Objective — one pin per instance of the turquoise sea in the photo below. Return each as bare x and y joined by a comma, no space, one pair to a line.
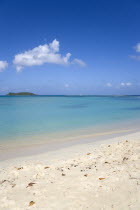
28,116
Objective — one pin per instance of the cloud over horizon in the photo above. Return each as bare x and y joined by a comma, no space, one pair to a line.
120,85
127,84
137,49
3,65
47,53
136,57
109,84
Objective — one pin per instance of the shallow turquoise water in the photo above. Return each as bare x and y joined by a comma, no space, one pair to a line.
24,116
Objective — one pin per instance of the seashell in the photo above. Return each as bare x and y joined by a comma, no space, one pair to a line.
31,203
30,184
101,178
46,167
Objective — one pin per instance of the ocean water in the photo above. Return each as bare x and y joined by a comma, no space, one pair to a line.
27,116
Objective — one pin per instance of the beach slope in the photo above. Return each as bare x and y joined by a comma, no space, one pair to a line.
106,176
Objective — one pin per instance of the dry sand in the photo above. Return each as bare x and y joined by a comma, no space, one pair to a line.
105,175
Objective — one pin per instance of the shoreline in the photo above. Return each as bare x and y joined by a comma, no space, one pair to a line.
39,148
40,144
92,175
70,147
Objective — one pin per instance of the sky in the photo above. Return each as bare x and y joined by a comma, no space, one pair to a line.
56,47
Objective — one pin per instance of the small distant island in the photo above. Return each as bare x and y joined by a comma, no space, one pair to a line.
21,94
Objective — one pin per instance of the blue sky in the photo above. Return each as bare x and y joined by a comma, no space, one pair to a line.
70,47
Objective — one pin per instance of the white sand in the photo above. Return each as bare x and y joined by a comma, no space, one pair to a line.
105,175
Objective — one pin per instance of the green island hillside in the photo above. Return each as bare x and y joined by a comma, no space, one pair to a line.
21,94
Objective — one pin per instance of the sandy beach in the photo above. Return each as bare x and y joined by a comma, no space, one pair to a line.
69,105
101,175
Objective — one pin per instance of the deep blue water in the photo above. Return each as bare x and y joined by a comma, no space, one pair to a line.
23,116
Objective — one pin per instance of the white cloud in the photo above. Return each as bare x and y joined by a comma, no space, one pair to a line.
4,89
3,65
136,57
127,84
67,85
79,62
48,53
122,84
109,84
137,47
